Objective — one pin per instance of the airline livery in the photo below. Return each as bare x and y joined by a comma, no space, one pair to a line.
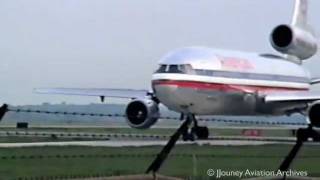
198,81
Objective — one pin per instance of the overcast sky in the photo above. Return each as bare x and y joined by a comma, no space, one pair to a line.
117,43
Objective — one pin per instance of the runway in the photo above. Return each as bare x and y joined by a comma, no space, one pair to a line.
104,136
173,126
139,143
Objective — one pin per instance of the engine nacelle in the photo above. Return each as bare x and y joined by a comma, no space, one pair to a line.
293,41
314,114
142,114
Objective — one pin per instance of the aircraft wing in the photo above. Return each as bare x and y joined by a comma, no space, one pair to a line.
293,97
117,93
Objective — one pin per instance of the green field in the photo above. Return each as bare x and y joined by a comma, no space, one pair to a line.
53,134
185,161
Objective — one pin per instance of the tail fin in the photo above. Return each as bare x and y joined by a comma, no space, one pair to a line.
300,19
300,15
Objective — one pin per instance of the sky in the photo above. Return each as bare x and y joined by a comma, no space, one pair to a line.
117,43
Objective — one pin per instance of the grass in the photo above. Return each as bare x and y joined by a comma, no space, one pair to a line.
54,138
85,161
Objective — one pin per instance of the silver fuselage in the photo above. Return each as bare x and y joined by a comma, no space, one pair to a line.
206,81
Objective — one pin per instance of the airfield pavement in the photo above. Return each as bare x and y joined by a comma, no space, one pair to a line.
138,143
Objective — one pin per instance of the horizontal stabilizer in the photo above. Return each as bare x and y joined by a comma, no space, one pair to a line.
315,81
293,97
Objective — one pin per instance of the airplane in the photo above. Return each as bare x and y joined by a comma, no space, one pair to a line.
197,81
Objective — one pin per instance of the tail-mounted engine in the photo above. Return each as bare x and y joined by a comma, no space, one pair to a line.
142,114
293,41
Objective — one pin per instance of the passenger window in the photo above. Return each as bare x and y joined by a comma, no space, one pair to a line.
200,72
209,73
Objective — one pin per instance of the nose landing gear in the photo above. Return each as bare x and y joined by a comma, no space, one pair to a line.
196,132
202,132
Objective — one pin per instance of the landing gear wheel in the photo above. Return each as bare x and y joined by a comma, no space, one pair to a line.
187,136
201,132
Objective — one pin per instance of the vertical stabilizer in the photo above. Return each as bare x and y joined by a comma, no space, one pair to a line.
300,15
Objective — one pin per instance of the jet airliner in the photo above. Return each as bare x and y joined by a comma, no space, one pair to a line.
197,81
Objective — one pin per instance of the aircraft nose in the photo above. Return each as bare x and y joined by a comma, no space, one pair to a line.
167,94
162,89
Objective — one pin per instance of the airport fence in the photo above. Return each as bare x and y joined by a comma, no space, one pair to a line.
82,135
178,155
216,120
108,136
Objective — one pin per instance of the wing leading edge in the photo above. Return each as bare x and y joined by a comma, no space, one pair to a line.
116,93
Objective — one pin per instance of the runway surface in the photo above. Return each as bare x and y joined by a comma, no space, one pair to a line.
131,136
174,126
139,143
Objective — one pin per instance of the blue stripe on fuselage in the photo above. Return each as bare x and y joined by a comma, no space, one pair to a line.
252,76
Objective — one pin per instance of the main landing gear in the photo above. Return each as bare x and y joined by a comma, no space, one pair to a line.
187,134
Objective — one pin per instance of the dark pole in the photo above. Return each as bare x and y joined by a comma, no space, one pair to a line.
161,157
3,110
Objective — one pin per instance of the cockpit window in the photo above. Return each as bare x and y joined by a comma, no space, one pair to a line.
175,68
162,69
182,68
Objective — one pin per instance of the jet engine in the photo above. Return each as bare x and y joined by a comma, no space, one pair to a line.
142,114
293,41
314,114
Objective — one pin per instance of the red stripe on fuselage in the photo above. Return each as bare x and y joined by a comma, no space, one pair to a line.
224,87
